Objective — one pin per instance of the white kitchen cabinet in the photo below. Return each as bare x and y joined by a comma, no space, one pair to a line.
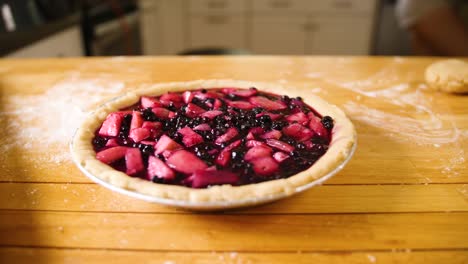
227,31
317,35
339,36
341,6
216,24
278,35
281,7
162,25
216,6
343,27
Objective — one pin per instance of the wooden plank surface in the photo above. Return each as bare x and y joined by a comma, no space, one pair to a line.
40,255
403,198
205,232
322,199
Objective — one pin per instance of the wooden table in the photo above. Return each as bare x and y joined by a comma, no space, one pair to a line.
403,198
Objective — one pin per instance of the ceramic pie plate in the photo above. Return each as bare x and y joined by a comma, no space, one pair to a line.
341,149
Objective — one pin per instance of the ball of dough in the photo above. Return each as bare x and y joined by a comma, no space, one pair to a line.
449,76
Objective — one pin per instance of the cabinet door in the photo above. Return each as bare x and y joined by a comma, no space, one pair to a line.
278,35
340,36
343,6
216,6
219,31
280,6
161,25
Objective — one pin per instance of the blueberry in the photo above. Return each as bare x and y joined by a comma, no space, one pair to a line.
180,122
148,115
177,137
294,153
124,141
257,110
156,179
146,149
290,141
223,107
300,146
207,147
243,126
327,122
234,155
265,121
247,170
209,136
319,140
317,148
125,126
199,103
235,166
278,125
171,106
195,122
122,135
99,142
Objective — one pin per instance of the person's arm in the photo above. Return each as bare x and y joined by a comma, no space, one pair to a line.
440,31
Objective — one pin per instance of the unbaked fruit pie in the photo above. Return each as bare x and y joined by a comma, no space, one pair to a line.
213,144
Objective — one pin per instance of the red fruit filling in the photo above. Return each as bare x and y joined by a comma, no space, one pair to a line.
202,138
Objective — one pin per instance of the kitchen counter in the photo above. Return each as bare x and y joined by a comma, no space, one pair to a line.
403,198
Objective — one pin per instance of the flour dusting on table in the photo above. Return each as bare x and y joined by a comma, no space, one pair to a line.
416,120
371,258
40,122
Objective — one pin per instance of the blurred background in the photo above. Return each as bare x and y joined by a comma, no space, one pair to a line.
70,28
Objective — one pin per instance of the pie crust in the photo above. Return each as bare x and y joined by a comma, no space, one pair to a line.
340,148
450,76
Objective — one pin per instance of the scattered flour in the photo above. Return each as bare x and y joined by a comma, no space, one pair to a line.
371,258
38,122
316,90
431,130
313,75
463,190
416,120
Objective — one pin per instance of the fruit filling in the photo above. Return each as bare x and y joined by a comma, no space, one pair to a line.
203,137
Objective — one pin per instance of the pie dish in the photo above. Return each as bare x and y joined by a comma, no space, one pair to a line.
213,144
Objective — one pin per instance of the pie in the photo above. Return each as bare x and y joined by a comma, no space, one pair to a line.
214,141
